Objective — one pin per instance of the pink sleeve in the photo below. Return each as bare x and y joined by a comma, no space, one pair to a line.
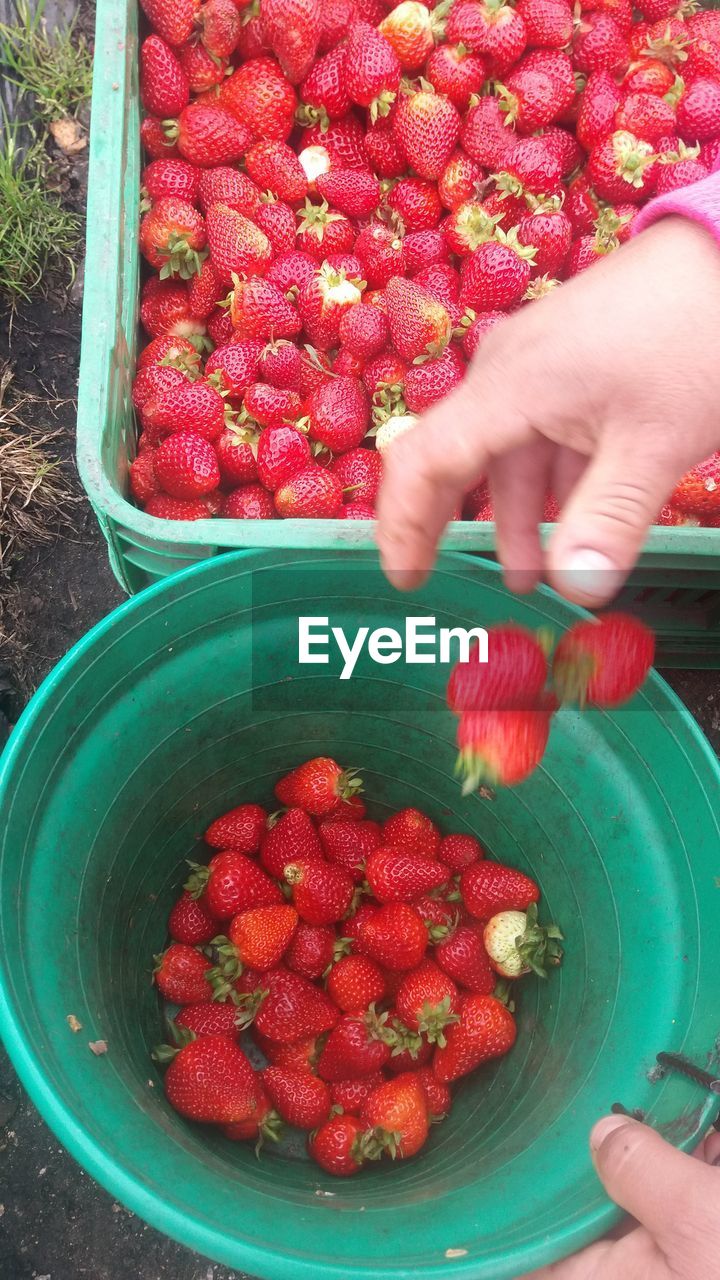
701,201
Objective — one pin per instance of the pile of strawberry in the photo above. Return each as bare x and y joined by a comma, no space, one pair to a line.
364,958
342,199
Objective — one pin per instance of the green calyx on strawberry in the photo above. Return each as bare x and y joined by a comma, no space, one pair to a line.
540,288
196,883
180,1036
227,969
433,1020
518,944
378,1142
632,157
388,402
317,217
180,259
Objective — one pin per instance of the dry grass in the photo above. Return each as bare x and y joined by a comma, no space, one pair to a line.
36,499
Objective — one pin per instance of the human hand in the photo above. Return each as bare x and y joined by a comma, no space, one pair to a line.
620,368
674,1198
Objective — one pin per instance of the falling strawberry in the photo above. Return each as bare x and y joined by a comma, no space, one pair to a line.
603,662
500,748
513,676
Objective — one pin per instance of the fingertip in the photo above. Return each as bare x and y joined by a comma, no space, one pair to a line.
584,575
605,1128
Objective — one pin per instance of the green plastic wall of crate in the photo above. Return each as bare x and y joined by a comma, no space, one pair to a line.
676,586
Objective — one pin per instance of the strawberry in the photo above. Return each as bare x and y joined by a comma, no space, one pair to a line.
539,90
291,838
165,308
281,452
274,166
144,483
261,1124
513,676
397,1116
237,245
645,116
565,146
549,23
171,236
649,75
164,88
363,329
249,502
190,923
260,310
204,291
439,1097
174,20
316,786
427,383
372,69
410,29
359,1045
186,465
427,126
211,1081
280,365
414,832
395,936
681,173
181,975
219,327
517,944
171,178
354,192
494,29
600,45
354,983
411,1052
356,511
342,143
438,915
237,464
427,1001
359,472
154,140
323,302
230,187
337,1146
292,29
323,92
293,1009
487,888
234,366
459,181
698,111
220,25
500,748
486,1030
338,414
297,1055
354,925
455,72
417,203
531,166
261,936
207,134
300,1098
321,891
165,508
384,375
311,950
485,137
469,226
203,71
395,875
598,106
424,249
460,851
210,1019
261,97
603,662
232,883
383,151
271,406
497,274
381,252
351,1095
698,493
419,324
462,955
550,236
323,231
349,843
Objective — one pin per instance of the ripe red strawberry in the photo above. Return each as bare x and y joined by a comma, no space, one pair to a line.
174,20
154,140
292,30
291,838
260,96
427,383
351,1095
354,983
205,291
280,365
293,1009
419,324
427,126
342,142
277,220
230,187
459,181
190,923
698,493
489,887
321,891
192,406
311,950
231,883
349,844
539,90
598,105
260,310
186,465
171,235
417,204
356,511
207,134
337,1146
425,249
281,452
397,1115
600,45
237,245
181,975
323,231
439,1097
679,173
171,178
565,146
383,151
274,166
381,253
497,274
354,192
210,1019
531,166
202,69
462,955
513,676
498,31
301,1099
454,71
417,1052
298,1055
316,786
550,236
234,366
698,111
427,1001
260,936
486,1030
500,748
220,25
646,116
372,69
549,23
144,483
164,507
410,29
395,875
414,832
211,1081
165,308
323,92
359,1045
323,302
164,88
469,226
603,662
261,1124
237,464
359,472
395,936
169,350
338,414
271,406
460,851
649,75
485,137
363,330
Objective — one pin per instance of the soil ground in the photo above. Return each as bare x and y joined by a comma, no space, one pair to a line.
55,1222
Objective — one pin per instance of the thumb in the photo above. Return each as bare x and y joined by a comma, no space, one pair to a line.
646,1176
605,522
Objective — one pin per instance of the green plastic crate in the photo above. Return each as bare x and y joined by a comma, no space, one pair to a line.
676,587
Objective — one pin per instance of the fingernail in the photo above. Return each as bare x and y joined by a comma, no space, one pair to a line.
590,574
605,1127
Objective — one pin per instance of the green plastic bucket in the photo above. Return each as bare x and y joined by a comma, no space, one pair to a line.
151,726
